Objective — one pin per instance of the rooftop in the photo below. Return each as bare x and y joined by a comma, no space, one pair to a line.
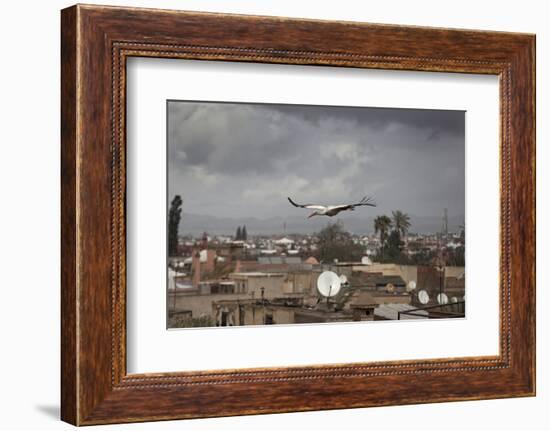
256,274
263,260
391,312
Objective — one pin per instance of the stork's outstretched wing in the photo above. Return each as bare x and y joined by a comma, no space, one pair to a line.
366,201
309,206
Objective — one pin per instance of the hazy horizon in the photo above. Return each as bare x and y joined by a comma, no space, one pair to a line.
196,224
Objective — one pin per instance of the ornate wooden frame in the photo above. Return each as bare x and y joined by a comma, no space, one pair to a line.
95,42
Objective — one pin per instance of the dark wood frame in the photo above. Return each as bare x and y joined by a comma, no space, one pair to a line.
95,43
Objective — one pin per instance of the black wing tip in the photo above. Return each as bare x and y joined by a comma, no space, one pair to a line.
292,202
368,200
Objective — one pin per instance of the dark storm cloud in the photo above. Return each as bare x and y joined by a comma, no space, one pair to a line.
227,158
439,121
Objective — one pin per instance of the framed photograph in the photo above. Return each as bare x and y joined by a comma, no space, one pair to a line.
323,214
281,266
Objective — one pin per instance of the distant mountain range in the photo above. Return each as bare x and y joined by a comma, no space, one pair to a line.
196,224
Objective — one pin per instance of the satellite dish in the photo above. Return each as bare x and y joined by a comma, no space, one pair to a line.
442,299
411,286
390,288
423,297
454,299
366,261
343,279
328,284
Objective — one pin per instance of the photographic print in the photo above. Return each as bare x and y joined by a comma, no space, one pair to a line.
284,214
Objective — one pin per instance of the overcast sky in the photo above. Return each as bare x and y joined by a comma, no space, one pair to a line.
235,160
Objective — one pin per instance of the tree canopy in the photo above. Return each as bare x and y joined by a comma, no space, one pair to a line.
241,234
333,242
174,218
382,225
391,245
401,222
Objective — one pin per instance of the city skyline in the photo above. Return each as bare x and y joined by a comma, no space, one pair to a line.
196,225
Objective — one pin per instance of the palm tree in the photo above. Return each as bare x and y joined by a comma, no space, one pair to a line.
401,222
382,224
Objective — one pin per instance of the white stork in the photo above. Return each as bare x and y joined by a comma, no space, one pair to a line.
332,210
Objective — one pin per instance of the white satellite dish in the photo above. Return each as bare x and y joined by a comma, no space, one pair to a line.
442,299
365,260
343,279
411,285
454,299
328,284
423,297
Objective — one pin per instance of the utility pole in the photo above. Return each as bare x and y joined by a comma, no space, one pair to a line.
262,289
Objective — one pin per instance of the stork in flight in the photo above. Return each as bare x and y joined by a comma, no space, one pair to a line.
332,210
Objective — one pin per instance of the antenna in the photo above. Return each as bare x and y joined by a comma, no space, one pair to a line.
442,299
445,224
328,284
411,285
423,297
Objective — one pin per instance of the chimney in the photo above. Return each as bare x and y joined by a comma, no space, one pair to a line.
210,260
196,267
238,266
